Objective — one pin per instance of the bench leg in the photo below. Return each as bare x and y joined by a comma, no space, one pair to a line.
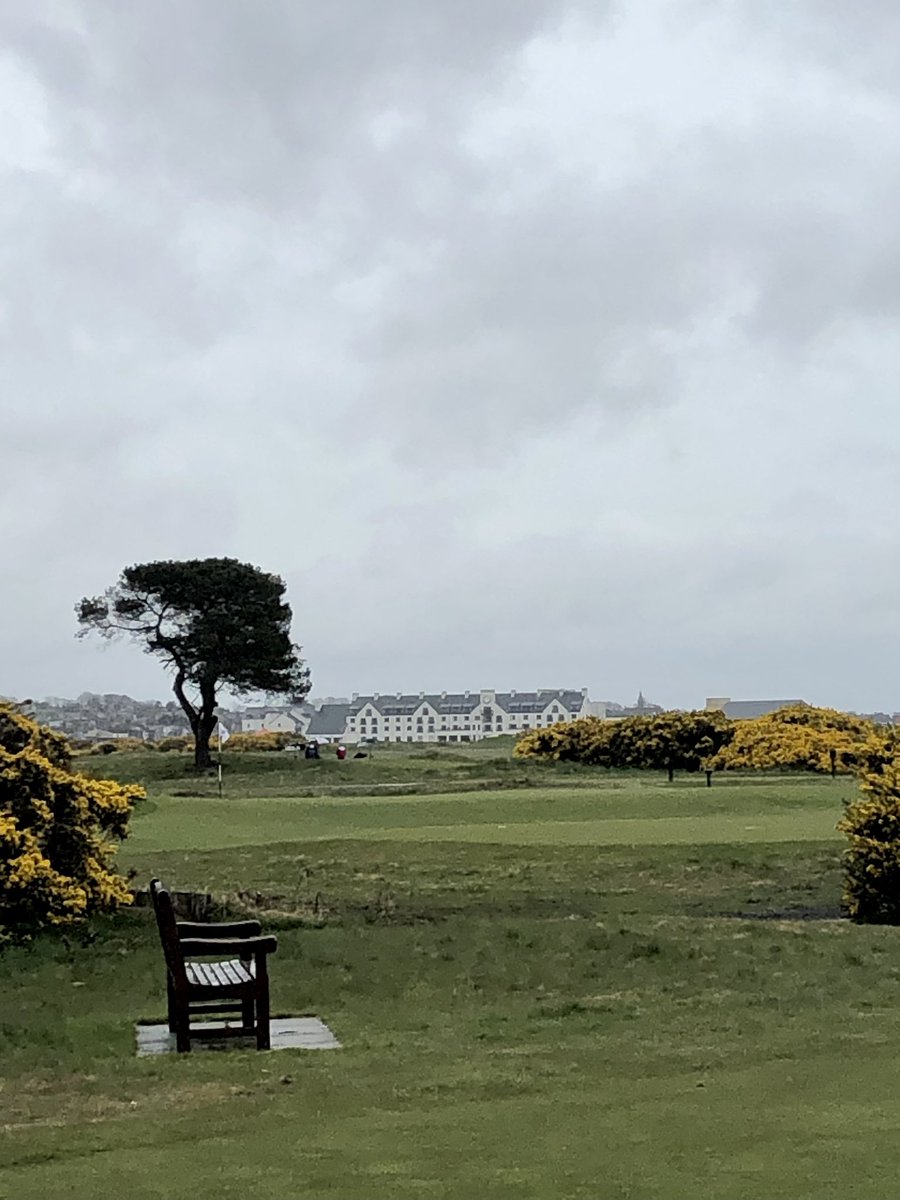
182,1022
262,1004
170,1002
248,1019
183,1037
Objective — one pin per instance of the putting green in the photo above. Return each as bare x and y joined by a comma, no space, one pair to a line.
577,820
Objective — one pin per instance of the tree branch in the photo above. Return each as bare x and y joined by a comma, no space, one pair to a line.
189,711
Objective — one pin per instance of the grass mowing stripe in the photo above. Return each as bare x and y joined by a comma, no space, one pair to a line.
661,831
577,816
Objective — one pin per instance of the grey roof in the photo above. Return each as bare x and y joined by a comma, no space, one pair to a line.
447,703
743,710
522,702
330,720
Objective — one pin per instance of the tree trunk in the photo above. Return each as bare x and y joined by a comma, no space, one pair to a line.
671,771
202,720
206,723
202,757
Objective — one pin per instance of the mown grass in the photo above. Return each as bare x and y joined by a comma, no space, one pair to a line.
615,810
532,1021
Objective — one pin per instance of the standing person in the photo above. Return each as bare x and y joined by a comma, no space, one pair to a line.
342,752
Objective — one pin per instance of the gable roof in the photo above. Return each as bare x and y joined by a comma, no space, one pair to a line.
536,702
329,720
449,703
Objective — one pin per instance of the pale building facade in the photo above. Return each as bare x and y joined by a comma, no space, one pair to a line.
462,716
276,720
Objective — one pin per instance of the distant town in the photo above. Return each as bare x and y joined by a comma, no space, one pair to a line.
380,716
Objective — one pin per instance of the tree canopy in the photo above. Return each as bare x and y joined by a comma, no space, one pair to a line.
213,622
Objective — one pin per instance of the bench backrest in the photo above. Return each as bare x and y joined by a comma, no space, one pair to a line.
168,930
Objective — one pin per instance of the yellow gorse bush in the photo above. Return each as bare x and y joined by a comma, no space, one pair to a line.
872,826
264,739
683,741
797,738
58,832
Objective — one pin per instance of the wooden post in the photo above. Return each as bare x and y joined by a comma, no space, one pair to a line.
708,777
219,728
832,754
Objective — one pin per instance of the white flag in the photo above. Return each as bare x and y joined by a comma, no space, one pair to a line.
224,735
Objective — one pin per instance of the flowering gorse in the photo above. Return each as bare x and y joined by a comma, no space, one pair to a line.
58,832
872,825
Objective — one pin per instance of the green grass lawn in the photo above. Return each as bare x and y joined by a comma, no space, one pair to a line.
599,989
616,810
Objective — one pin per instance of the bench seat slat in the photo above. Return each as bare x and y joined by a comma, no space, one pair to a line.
218,974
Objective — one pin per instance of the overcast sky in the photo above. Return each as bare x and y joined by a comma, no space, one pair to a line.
534,342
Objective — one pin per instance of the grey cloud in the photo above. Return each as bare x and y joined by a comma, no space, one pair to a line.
534,341
211,99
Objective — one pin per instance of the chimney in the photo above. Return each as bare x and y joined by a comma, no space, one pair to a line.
421,695
584,693
443,695
354,697
512,693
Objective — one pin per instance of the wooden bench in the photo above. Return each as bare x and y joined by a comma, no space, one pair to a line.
235,984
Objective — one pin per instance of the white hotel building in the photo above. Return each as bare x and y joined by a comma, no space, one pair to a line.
462,716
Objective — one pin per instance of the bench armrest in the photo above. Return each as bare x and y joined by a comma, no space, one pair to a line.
239,947
225,929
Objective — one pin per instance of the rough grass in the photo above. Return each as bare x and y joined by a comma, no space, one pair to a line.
395,767
530,1021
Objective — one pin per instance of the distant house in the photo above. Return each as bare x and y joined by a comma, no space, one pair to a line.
747,710
275,720
879,718
267,720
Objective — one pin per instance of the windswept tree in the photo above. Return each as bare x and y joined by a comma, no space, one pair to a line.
213,622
